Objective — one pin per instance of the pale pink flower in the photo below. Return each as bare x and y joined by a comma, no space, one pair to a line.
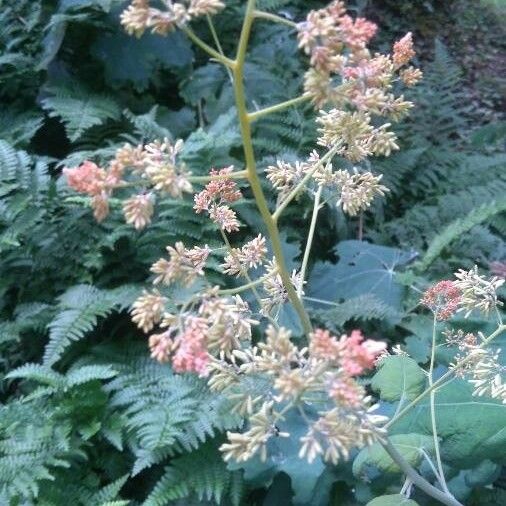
100,206
87,178
191,354
138,210
356,33
351,353
147,310
224,217
160,346
442,299
403,50
357,354
345,391
184,264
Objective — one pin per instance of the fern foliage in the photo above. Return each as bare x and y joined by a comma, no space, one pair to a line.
79,110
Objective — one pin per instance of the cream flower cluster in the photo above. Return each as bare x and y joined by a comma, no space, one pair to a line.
140,16
154,168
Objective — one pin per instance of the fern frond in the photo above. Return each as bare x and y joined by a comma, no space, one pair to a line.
459,227
78,109
202,474
80,308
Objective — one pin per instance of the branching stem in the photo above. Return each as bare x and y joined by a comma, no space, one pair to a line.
254,180
207,48
253,116
300,186
309,243
419,481
433,408
273,17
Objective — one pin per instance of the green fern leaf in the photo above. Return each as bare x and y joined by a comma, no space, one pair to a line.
457,228
79,110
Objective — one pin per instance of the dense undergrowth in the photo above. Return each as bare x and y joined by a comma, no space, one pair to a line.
85,415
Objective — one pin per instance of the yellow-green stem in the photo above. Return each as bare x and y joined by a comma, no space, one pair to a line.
273,17
216,39
240,174
300,186
243,288
207,48
254,180
253,116
433,408
309,243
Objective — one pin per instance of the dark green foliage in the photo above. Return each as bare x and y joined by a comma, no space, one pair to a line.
86,417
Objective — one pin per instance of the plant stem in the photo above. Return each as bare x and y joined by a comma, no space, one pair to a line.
326,158
253,116
312,226
433,408
243,288
256,188
207,48
218,44
443,379
240,174
275,18
419,481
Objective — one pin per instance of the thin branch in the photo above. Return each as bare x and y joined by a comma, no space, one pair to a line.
249,155
273,17
433,408
312,226
326,158
253,116
418,480
247,286
240,174
218,44
207,48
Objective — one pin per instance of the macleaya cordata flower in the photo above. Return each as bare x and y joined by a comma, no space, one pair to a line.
478,292
351,135
229,322
337,46
242,447
156,163
138,210
216,195
411,76
139,16
147,310
353,353
162,168
403,50
184,265
483,368
443,299
358,190
249,256
323,374
191,347
274,287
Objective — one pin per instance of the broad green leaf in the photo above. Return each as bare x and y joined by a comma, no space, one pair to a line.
471,429
363,268
374,459
392,500
398,378
132,60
